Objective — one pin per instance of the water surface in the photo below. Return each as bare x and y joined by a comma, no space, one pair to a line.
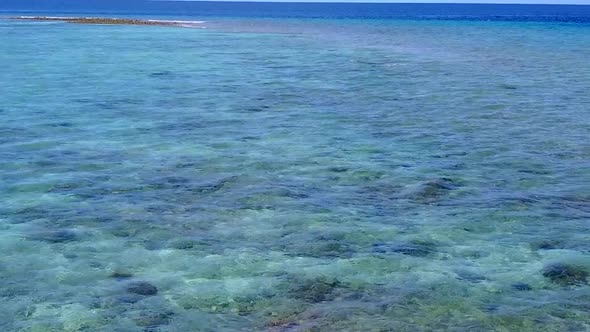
295,175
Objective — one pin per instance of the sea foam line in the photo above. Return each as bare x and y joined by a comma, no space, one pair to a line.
105,20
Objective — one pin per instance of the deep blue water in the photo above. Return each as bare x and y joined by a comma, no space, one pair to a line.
484,12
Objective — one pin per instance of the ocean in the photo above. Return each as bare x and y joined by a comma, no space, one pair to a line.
478,12
295,167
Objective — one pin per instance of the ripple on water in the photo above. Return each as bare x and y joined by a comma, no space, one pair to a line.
375,176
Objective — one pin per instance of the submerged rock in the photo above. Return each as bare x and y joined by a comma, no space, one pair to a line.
53,236
565,274
215,186
290,193
521,286
429,191
62,124
313,290
319,245
578,202
547,245
258,108
153,244
26,214
508,86
416,248
183,244
142,288
470,276
434,189
338,169
331,249
121,275
164,73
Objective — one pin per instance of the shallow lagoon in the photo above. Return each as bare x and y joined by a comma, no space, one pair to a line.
295,176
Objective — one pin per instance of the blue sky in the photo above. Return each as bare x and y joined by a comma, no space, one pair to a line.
580,2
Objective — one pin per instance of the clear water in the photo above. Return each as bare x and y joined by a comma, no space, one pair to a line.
295,175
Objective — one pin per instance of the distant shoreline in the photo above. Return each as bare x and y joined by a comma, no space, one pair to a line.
111,21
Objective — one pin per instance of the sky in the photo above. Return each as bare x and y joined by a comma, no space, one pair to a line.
562,2
123,2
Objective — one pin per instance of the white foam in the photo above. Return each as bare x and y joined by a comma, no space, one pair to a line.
177,22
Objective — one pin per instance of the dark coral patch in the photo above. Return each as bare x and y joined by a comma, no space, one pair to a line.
313,290
434,189
565,274
142,288
547,245
121,275
53,236
521,286
415,248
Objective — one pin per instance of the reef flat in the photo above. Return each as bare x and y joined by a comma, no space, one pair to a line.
106,20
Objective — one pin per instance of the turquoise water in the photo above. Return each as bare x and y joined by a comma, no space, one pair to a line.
292,175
